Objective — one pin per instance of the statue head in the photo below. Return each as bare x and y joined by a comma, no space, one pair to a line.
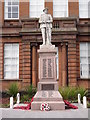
45,10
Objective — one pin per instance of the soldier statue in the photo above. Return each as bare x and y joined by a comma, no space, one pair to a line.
46,26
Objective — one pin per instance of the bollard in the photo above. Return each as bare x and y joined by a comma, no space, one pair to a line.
79,98
11,102
18,98
84,102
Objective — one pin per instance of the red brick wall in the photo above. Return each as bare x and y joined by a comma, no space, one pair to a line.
26,61
73,8
83,30
78,59
5,84
72,69
24,9
49,5
85,83
0,12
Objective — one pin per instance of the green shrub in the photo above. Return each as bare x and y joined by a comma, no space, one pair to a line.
5,106
87,93
34,90
13,90
24,98
88,104
30,90
28,93
64,92
71,93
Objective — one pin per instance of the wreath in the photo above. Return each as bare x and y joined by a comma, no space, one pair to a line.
44,107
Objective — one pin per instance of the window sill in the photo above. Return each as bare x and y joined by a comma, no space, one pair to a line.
83,79
11,19
11,80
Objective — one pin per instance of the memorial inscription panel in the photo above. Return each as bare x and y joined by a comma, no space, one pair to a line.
47,87
44,68
47,68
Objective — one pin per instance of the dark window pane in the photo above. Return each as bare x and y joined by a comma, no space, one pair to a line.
9,9
89,60
15,2
89,69
9,15
9,3
15,15
14,9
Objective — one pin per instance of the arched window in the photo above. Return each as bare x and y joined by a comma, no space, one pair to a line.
84,8
60,8
36,8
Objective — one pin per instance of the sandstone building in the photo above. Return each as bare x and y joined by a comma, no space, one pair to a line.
21,37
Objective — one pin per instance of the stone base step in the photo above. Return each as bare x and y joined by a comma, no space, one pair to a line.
47,99
54,105
53,98
47,96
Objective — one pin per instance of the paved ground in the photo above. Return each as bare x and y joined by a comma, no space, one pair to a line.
70,113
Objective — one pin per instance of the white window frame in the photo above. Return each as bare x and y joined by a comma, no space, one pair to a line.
62,4
85,60
83,9
30,10
6,5
10,57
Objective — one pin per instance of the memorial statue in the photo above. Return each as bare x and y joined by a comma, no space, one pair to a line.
46,26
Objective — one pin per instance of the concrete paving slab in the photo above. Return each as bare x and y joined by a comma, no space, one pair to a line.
69,113
7,113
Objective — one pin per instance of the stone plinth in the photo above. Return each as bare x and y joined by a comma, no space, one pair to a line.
48,96
47,85
54,105
53,98
47,63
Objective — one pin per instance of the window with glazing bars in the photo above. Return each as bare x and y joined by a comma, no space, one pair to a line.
11,61
11,9
85,60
